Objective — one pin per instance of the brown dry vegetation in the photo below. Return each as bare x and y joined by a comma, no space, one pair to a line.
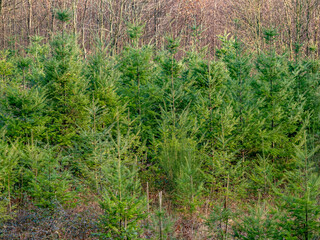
297,21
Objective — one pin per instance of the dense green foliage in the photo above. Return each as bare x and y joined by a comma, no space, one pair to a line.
242,128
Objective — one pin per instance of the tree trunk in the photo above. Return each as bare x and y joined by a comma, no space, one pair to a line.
29,20
155,16
52,15
74,9
3,28
14,24
101,21
82,30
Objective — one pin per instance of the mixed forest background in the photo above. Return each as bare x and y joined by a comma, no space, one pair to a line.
135,119
297,21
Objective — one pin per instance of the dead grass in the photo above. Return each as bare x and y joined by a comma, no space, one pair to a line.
38,223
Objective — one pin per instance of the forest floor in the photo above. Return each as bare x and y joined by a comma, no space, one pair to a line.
81,222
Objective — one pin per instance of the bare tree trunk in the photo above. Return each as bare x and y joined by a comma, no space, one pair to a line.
288,14
29,20
298,26
155,16
308,7
101,21
3,29
14,24
214,27
74,9
83,30
259,24
316,24
52,8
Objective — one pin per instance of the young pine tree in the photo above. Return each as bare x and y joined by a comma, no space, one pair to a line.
9,172
102,77
299,204
46,178
260,222
6,70
66,96
240,93
177,146
89,152
180,160
38,52
208,79
136,85
23,113
282,115
122,201
306,83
